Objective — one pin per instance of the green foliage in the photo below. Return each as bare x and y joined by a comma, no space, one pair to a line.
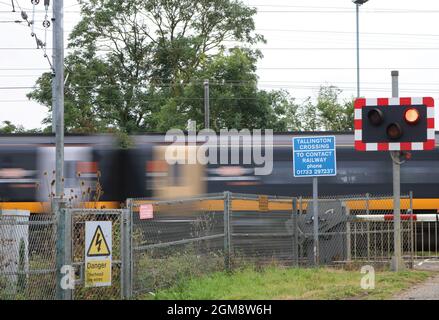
8,128
139,66
124,140
335,116
235,100
163,268
129,58
326,114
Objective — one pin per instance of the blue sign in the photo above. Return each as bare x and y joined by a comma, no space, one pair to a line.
314,156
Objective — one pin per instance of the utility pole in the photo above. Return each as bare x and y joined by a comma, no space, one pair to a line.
58,106
358,3
206,105
358,49
397,264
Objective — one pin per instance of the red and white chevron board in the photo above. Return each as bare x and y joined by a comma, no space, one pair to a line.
394,146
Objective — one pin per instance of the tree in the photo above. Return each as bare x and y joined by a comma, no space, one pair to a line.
310,117
235,100
9,127
327,113
335,116
130,57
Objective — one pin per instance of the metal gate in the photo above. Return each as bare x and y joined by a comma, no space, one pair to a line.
78,218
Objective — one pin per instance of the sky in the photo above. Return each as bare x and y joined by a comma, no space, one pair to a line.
309,43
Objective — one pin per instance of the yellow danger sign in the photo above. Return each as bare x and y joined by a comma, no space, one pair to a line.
98,257
98,273
98,245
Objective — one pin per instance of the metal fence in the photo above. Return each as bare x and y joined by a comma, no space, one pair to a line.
183,238
27,256
355,229
260,233
426,234
157,244
191,237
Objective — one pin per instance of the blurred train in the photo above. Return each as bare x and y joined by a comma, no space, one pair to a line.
96,170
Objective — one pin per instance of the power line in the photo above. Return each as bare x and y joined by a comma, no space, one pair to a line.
347,68
350,88
273,48
23,69
352,11
31,23
351,32
347,48
330,8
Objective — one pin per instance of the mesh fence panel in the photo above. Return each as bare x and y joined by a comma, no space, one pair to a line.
27,256
196,236
356,229
183,239
260,232
79,218
193,237
373,241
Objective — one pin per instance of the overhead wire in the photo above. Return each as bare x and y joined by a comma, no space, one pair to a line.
31,24
299,68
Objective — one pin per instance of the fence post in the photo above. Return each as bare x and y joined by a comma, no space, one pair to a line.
68,246
61,250
412,227
126,253
368,226
227,238
348,233
295,233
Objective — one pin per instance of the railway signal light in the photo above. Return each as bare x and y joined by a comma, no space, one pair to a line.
412,116
394,131
376,117
396,124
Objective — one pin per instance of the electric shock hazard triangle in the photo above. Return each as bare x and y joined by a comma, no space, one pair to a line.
98,246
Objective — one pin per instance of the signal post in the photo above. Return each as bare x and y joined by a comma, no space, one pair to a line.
397,125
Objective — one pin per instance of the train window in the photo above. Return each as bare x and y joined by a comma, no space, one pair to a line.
87,168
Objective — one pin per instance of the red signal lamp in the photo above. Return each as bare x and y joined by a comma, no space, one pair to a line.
394,131
411,116
376,117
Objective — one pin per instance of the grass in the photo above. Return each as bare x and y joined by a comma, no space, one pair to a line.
281,283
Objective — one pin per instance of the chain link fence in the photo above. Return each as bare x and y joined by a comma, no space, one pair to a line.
260,233
176,240
157,244
354,230
27,256
180,239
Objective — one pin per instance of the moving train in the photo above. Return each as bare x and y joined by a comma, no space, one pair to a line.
98,171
